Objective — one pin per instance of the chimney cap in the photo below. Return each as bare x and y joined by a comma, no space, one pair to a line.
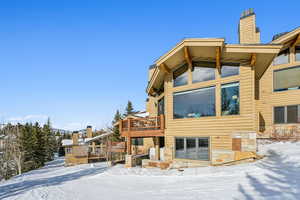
89,126
247,13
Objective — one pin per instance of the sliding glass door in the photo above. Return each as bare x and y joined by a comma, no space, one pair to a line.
193,148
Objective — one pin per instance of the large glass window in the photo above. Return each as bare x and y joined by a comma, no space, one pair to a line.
287,79
203,151
191,151
180,76
230,99
179,147
161,106
192,148
297,51
203,71
292,114
282,57
194,103
287,114
279,115
230,70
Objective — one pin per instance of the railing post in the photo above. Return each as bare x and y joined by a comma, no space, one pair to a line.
162,122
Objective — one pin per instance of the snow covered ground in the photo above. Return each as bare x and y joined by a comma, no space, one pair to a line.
275,177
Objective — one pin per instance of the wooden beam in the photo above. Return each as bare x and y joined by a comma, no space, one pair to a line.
187,57
151,91
163,67
253,60
297,41
218,59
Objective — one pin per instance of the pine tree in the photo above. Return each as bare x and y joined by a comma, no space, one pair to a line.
50,141
29,144
40,150
129,109
116,132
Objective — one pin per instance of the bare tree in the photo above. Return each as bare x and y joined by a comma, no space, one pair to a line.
11,156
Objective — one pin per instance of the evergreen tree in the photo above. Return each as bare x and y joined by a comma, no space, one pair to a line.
116,132
40,150
50,141
29,143
129,109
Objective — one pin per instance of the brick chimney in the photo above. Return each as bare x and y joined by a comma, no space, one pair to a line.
89,132
248,32
75,136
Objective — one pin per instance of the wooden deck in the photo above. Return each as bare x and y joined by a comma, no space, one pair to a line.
143,127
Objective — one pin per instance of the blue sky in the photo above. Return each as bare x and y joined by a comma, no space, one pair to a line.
79,61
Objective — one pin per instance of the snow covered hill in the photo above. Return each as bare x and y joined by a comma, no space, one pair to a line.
275,177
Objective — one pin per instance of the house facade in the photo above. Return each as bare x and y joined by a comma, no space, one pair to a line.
86,147
208,100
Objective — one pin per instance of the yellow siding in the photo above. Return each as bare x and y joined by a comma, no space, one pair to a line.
219,127
269,99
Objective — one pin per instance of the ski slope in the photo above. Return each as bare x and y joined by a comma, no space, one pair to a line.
275,177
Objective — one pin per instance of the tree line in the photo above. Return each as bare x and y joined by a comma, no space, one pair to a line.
26,147
29,146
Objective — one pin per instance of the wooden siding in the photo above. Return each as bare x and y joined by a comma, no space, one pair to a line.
268,99
218,128
218,125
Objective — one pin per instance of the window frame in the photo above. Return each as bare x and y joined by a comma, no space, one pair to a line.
285,114
297,48
239,97
210,65
288,56
238,65
187,71
158,101
136,141
194,89
273,81
197,147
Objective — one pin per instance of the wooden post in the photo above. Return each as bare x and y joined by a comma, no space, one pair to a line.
218,59
162,122
128,145
157,148
93,147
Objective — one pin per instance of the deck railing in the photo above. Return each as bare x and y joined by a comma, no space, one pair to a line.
146,124
142,124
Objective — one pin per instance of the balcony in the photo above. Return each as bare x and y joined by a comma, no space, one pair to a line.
143,127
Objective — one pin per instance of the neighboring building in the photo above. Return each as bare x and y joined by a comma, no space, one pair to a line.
84,148
209,100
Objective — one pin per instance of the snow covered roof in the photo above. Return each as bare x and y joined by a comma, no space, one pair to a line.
142,114
66,142
87,140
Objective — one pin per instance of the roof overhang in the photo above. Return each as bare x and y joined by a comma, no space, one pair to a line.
288,37
205,50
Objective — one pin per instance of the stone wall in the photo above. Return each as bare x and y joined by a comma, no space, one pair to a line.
243,147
